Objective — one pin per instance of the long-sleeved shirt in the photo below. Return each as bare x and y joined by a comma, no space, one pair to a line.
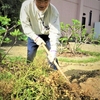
33,26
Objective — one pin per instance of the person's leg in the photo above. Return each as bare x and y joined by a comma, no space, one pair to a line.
31,50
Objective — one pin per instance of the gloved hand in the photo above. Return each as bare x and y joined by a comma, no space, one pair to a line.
52,55
39,41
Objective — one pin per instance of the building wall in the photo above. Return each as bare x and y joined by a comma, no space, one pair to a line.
74,9
66,9
94,6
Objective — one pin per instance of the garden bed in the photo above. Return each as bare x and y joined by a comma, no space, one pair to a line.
84,77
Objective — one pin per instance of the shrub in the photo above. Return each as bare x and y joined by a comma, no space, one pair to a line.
75,33
6,29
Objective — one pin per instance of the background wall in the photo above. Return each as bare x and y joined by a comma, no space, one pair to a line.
74,9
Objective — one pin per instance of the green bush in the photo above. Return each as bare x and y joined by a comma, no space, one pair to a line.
77,34
6,29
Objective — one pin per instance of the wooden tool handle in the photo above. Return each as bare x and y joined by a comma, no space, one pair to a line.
55,62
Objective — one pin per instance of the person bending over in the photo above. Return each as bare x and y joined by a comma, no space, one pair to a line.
40,23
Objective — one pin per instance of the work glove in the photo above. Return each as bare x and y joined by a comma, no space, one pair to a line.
39,41
52,55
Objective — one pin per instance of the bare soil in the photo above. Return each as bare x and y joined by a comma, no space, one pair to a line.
84,77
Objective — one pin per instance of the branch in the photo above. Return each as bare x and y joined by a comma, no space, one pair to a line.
9,49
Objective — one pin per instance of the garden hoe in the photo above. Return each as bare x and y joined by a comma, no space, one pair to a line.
55,63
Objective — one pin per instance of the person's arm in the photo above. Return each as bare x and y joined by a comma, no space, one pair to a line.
26,25
55,33
54,36
25,22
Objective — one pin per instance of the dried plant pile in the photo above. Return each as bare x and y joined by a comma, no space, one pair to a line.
20,81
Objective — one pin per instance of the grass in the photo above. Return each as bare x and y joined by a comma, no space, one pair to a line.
5,75
90,58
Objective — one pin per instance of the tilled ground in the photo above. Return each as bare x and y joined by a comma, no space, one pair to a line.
87,82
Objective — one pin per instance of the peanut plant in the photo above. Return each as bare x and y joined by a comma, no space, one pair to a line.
12,30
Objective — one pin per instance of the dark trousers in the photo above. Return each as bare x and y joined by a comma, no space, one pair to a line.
32,49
